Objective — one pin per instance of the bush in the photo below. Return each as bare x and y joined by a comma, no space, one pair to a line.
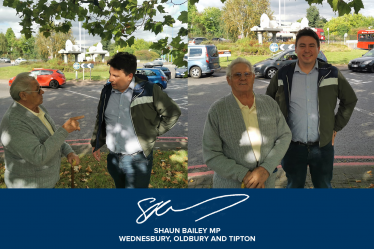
146,55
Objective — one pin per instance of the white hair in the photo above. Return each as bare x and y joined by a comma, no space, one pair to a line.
237,61
21,83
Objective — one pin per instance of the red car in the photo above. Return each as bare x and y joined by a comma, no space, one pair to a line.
47,77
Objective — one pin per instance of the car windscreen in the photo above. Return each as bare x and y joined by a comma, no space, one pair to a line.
369,54
212,51
276,56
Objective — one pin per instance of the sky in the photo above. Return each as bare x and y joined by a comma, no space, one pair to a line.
295,9
9,19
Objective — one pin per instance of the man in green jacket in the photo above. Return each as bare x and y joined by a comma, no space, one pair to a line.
307,93
130,115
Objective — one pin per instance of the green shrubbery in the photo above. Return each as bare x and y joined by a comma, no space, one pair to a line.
146,55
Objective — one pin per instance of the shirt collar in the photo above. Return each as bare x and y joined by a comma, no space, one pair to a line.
41,113
241,106
131,86
297,68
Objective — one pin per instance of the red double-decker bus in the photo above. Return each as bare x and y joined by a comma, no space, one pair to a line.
365,39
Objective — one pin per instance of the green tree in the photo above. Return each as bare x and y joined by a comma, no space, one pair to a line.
105,44
3,44
115,19
240,16
11,39
211,19
312,14
344,24
49,46
27,46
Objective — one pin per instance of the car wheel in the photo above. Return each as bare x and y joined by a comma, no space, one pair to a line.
271,72
53,84
372,68
195,72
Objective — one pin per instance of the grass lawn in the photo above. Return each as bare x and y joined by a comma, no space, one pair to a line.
169,171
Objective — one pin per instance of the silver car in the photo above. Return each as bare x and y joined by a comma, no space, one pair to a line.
156,62
5,60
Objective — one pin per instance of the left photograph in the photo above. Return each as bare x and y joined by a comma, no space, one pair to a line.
90,95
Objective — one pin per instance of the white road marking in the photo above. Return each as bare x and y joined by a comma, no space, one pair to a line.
364,111
83,94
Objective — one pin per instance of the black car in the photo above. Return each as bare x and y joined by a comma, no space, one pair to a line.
364,63
166,71
180,72
270,66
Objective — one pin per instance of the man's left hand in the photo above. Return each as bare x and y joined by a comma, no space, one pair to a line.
73,157
257,178
333,137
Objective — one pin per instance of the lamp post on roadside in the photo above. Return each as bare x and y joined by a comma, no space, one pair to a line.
328,37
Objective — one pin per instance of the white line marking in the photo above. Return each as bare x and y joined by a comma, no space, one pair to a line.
83,94
364,111
264,81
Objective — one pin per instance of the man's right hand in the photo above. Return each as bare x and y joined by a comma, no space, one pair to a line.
96,154
72,124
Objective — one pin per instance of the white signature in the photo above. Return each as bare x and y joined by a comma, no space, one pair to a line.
154,209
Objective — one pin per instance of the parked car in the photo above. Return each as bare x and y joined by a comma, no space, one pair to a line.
47,77
270,66
166,72
220,39
364,63
19,60
196,40
155,75
180,72
202,59
156,62
5,60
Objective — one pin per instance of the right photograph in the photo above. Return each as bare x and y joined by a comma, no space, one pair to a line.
280,95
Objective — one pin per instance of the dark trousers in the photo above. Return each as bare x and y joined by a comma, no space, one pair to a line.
320,161
130,171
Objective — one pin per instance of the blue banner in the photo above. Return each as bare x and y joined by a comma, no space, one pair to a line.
186,218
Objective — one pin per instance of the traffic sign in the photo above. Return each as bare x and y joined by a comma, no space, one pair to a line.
89,65
287,46
76,65
274,47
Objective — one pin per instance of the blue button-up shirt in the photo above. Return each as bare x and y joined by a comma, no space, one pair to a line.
303,118
120,133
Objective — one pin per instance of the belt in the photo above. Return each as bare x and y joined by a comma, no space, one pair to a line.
305,144
121,154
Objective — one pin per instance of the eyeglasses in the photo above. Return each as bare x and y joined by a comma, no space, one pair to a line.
34,91
239,75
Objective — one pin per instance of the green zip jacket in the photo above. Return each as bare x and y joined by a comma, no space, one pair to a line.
331,86
153,113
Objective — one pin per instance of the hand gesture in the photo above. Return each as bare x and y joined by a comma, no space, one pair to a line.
72,124
96,154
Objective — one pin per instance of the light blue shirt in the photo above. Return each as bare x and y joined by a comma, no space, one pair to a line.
120,133
303,118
